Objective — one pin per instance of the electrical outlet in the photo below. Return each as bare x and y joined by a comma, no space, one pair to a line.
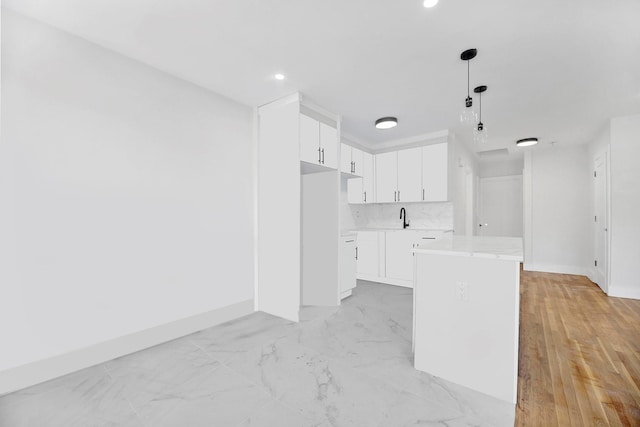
462,291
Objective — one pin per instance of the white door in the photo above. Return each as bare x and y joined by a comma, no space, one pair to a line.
600,220
387,177
309,140
355,193
500,206
348,264
329,146
434,173
367,261
357,156
367,178
410,175
399,258
345,158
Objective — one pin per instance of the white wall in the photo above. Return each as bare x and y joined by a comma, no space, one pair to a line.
463,173
557,196
625,207
501,167
125,196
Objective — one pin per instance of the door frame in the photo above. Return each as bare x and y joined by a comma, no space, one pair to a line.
602,157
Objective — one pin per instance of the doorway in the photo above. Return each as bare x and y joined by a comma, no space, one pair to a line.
500,206
601,229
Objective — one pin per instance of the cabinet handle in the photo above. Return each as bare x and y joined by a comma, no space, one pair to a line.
319,156
395,196
351,167
356,253
365,197
429,238
423,194
349,241
323,156
398,195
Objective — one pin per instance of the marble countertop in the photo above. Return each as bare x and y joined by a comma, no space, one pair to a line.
507,248
355,230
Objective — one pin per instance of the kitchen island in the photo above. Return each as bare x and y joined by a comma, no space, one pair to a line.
466,312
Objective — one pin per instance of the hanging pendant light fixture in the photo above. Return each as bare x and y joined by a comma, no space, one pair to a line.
480,133
468,115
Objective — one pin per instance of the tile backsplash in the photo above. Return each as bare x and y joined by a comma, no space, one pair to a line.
437,216
434,216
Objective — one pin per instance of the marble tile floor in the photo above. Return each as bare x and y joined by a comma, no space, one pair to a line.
346,366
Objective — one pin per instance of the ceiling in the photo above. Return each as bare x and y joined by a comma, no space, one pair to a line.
554,69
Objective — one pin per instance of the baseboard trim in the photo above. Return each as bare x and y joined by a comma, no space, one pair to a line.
386,280
47,369
556,268
621,292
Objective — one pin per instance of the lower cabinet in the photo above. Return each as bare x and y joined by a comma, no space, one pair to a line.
368,260
348,256
386,257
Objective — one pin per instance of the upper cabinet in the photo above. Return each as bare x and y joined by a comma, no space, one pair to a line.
360,190
409,175
398,176
351,160
387,177
435,172
318,142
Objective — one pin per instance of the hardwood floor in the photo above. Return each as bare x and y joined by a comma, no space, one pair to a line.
579,354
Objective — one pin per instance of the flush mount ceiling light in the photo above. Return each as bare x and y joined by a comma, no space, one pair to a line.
386,123
279,76
480,133
526,142
430,3
468,115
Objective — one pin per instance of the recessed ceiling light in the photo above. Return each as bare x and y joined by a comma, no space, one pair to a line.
279,76
526,142
386,123
430,3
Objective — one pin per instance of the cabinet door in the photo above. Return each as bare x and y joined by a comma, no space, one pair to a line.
309,140
345,158
367,262
409,175
357,159
348,264
355,193
435,161
399,258
387,177
368,196
329,146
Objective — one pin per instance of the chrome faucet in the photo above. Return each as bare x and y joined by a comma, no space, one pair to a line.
405,223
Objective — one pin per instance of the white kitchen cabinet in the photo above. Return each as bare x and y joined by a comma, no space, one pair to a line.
361,190
435,162
387,177
368,178
398,255
318,142
409,175
368,261
351,160
329,146
399,259
348,253
355,191
310,140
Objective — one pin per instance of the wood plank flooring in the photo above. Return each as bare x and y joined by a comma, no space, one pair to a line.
579,354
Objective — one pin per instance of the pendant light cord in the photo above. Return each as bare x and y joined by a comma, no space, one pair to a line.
480,106
468,78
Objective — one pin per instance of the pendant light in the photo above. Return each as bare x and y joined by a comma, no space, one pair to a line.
480,133
468,116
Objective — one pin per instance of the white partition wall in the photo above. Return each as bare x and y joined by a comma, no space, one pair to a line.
278,274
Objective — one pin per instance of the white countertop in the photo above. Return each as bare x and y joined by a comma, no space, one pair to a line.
398,229
507,248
